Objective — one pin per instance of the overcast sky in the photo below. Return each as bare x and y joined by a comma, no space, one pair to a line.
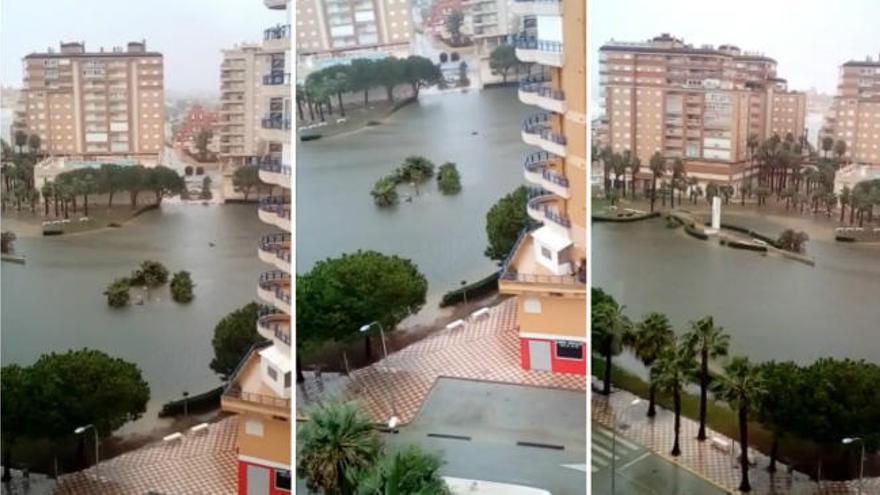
189,33
809,39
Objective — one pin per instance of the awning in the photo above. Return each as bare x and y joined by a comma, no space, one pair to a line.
547,236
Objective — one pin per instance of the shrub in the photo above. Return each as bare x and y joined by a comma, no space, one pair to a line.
200,170
454,57
182,287
117,293
151,274
444,58
448,179
384,192
188,170
793,241
206,189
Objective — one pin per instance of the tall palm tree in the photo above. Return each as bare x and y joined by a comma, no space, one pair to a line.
708,342
673,370
608,327
742,387
620,165
336,438
648,339
48,190
657,165
411,470
678,176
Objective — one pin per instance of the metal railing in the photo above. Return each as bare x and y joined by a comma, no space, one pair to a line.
536,203
279,32
273,243
277,329
276,123
526,42
279,206
542,89
274,165
507,273
540,160
236,392
276,78
539,124
270,281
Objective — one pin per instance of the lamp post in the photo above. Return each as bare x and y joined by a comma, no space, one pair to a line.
364,329
80,431
185,400
632,404
464,291
849,440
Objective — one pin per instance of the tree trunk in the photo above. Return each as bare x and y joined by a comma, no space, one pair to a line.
744,485
774,452
389,90
415,88
46,204
311,112
300,378
704,385
653,192
7,463
368,348
73,200
341,107
299,110
652,396
321,112
86,204
842,211
340,478
606,386
110,201
134,199
366,97
676,401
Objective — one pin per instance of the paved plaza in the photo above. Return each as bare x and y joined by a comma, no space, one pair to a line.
718,467
198,464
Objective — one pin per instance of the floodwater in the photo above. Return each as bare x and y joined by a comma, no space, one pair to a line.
55,302
444,235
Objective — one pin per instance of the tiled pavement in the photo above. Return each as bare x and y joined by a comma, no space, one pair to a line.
708,462
484,349
199,464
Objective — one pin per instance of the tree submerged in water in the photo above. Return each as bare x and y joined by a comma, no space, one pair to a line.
151,274
117,293
448,179
793,241
6,240
182,287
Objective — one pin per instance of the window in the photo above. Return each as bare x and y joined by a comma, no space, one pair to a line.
546,253
569,349
253,427
282,479
272,373
532,305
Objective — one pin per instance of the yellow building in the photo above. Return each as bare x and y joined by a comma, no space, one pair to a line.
546,269
260,389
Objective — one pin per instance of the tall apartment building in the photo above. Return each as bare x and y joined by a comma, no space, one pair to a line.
546,269
329,29
696,103
855,113
94,104
240,98
260,388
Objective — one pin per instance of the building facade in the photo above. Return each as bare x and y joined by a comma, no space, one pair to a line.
855,114
240,105
260,389
336,29
546,269
699,104
95,104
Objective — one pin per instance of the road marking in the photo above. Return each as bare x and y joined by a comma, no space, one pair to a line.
605,453
576,467
637,459
620,440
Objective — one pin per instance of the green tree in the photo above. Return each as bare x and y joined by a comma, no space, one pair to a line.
780,408
453,23
648,339
608,326
151,273
673,370
741,386
359,288
245,179
420,73
182,287
164,182
840,149
504,222
363,77
707,342
117,293
17,421
827,145
134,179
791,240
409,471
233,336
502,60
48,191
34,144
657,165
448,179
390,73
110,181
206,188
336,438
385,192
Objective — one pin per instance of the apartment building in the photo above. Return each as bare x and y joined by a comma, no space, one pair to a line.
699,104
196,120
332,29
96,104
259,390
855,114
240,100
546,269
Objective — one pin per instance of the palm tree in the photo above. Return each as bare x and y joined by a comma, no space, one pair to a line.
48,190
845,198
634,166
708,342
658,168
607,157
411,470
678,176
608,327
620,165
650,336
336,438
742,387
673,370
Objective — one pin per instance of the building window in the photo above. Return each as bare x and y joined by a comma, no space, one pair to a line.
253,427
532,305
282,479
272,373
569,349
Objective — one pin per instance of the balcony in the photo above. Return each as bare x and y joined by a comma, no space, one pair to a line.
543,95
279,32
274,325
274,122
546,208
275,250
274,289
248,393
272,171
537,7
527,268
275,4
532,49
275,211
276,78
536,131
537,169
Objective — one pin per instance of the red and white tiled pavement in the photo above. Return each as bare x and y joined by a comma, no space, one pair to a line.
485,348
199,464
705,460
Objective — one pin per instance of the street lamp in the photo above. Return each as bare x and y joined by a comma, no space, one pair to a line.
364,329
632,404
80,431
849,440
